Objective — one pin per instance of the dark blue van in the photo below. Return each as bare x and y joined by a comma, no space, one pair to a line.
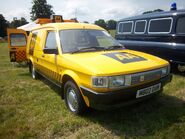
161,34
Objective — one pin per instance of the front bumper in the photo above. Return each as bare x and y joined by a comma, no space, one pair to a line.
122,97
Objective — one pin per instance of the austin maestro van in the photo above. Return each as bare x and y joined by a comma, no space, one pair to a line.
92,68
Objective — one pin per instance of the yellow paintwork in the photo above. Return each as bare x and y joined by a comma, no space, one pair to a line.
82,66
66,25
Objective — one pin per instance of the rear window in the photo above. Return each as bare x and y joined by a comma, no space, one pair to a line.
125,27
18,40
180,29
161,25
140,26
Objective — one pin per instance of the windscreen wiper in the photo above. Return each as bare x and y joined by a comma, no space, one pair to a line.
86,49
115,47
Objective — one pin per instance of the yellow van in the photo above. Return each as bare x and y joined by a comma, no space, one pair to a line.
92,68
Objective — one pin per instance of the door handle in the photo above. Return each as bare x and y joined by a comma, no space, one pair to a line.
43,56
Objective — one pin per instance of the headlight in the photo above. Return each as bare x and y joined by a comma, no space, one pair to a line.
116,81
112,81
100,82
165,71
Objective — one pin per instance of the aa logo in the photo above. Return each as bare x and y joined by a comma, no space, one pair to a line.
125,57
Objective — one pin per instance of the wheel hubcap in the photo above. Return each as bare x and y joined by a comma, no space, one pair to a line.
72,99
33,72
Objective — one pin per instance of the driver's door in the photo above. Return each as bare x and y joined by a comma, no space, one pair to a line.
49,60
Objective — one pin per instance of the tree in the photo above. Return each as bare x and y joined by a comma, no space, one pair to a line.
41,9
111,24
101,23
3,26
23,21
18,22
157,10
86,22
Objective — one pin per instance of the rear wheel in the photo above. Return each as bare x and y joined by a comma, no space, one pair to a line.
34,73
73,98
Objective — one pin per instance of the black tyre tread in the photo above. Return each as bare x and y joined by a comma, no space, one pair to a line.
30,67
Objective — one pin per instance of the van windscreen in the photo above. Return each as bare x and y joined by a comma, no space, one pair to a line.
76,39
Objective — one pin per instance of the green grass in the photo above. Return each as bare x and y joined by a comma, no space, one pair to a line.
112,32
34,109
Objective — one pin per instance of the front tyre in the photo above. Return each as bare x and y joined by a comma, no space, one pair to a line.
73,98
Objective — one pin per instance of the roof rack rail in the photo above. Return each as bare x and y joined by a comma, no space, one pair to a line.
53,19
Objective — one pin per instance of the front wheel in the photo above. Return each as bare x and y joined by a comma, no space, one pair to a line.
73,98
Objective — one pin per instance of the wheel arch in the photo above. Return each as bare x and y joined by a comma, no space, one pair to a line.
70,75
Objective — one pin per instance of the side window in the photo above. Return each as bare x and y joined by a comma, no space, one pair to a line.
140,27
51,40
180,28
17,40
33,42
160,25
120,27
125,27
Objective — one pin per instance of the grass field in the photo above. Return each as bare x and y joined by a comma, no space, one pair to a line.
34,109
112,32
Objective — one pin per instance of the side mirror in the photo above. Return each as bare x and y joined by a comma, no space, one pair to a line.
50,51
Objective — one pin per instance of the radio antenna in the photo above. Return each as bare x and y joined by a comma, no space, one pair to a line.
76,13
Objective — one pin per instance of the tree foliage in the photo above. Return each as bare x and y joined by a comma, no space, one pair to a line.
101,23
111,24
41,9
18,22
3,26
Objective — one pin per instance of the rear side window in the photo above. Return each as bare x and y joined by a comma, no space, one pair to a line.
17,40
160,26
125,27
180,28
51,40
140,26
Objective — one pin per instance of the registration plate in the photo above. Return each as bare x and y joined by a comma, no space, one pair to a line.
148,90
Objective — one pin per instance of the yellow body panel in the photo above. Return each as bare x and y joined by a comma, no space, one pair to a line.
85,65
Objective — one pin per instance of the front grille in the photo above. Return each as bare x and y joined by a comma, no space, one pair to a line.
145,76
